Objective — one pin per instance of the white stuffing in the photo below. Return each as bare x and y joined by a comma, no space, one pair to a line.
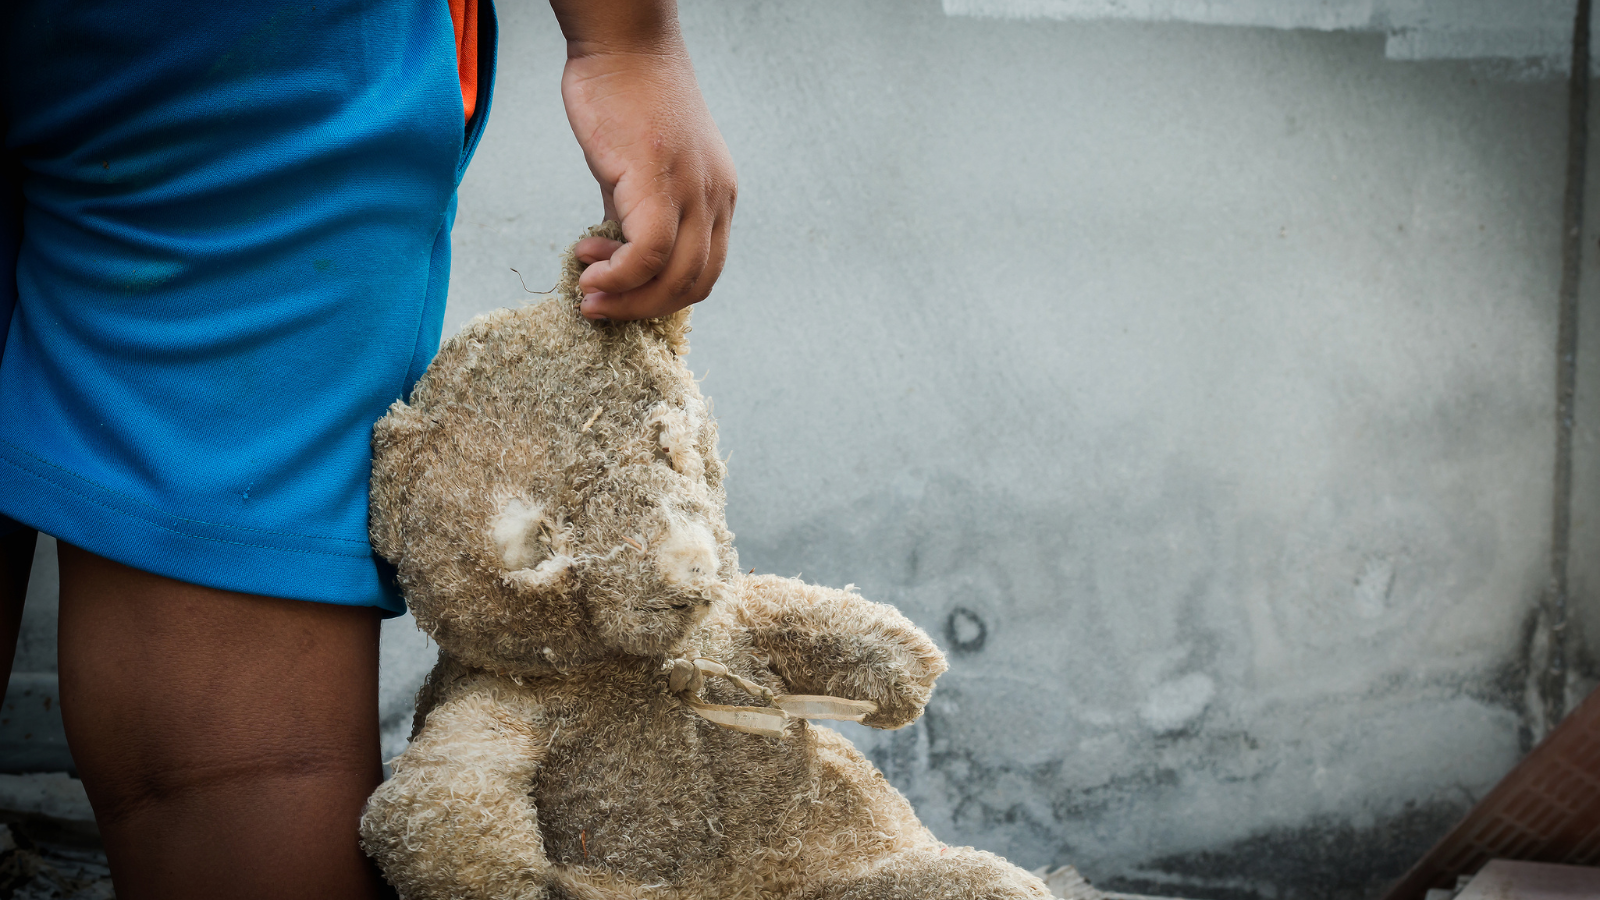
516,532
687,553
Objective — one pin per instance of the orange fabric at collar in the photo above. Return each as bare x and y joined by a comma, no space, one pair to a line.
464,14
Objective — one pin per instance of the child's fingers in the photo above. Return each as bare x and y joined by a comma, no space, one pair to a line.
719,256
651,233
591,250
680,277
681,282
709,272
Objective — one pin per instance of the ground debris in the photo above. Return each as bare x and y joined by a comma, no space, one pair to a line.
32,869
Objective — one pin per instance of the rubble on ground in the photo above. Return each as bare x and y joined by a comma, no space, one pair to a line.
49,844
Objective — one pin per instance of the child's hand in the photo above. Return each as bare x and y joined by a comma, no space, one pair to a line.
663,168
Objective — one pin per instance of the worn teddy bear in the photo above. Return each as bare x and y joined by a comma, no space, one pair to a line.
617,711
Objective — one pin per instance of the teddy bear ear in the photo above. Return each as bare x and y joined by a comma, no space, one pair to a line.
396,443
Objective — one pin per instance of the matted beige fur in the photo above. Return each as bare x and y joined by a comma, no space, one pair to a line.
552,499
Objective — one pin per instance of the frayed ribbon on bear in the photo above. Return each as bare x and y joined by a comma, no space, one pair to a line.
686,677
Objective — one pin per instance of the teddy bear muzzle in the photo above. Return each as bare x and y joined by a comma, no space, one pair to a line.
649,623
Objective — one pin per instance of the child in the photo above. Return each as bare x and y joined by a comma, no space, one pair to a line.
230,232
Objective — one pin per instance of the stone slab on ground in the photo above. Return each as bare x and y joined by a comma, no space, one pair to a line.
37,869
51,805
32,738
1505,879
49,843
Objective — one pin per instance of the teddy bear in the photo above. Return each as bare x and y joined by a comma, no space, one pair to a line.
617,710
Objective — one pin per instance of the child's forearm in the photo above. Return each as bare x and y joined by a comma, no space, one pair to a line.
663,169
612,26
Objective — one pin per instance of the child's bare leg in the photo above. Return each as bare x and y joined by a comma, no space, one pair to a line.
16,561
227,740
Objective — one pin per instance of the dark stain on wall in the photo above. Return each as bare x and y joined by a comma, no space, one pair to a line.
1325,858
1516,684
975,588
965,631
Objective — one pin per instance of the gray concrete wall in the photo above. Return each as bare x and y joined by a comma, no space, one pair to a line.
1193,385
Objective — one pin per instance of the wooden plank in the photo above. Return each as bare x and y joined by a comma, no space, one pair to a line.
1546,810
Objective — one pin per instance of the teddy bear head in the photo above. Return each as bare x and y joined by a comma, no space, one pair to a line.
551,496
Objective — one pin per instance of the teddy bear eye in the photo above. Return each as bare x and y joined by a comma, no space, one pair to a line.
521,533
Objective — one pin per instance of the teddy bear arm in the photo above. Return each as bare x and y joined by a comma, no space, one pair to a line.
827,641
455,819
